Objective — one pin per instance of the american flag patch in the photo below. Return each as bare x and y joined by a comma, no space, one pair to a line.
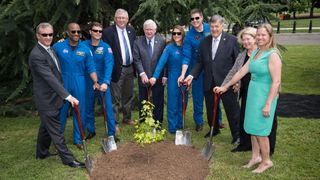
109,50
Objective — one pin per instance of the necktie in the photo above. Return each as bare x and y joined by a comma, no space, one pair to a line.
150,48
214,48
53,57
126,49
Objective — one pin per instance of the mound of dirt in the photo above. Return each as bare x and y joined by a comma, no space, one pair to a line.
163,160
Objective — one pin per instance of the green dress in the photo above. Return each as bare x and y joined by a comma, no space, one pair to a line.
254,122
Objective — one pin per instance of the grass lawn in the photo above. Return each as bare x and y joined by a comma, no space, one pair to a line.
297,150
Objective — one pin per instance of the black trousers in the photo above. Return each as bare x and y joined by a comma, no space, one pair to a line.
49,130
231,107
157,98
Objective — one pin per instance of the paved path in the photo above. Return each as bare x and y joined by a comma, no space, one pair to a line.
298,38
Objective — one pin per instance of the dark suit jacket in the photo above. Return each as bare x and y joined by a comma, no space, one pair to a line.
141,56
110,36
216,70
48,89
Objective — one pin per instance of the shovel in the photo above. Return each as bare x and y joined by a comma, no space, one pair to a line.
208,149
183,137
108,144
88,159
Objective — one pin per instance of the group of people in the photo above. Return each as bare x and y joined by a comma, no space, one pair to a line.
206,58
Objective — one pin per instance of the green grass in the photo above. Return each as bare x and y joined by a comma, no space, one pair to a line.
297,150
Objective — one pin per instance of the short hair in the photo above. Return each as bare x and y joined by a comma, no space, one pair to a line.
42,26
72,23
149,22
194,11
268,28
121,11
249,31
217,18
95,24
181,29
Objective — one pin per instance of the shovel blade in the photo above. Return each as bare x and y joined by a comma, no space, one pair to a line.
179,138
108,144
187,138
183,138
89,164
208,150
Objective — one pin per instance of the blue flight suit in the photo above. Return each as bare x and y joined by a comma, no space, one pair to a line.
191,54
103,59
75,65
172,58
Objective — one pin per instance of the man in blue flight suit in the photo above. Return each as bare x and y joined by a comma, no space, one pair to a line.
198,31
76,62
103,59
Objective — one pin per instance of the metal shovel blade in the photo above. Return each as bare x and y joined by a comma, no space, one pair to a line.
89,164
109,144
187,138
183,138
207,151
179,138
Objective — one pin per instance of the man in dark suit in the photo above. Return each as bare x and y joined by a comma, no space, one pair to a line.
218,53
49,95
121,37
146,54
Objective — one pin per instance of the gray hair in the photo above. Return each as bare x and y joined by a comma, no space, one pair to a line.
149,22
121,11
217,18
42,26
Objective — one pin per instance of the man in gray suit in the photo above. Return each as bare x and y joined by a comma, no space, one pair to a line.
49,95
146,54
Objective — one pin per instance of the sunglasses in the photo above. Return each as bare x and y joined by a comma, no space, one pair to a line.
94,30
73,32
195,18
176,33
47,35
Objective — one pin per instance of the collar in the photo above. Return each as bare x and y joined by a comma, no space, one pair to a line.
120,30
152,40
218,38
45,47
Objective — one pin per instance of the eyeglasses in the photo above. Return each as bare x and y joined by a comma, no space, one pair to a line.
95,30
195,18
176,33
73,32
47,35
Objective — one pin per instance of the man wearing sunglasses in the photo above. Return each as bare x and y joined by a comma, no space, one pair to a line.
76,62
49,95
190,51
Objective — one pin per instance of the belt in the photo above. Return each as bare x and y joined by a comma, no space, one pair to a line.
129,65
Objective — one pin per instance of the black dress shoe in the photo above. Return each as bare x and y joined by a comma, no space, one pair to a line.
91,135
116,139
76,164
241,149
235,141
199,127
46,156
213,134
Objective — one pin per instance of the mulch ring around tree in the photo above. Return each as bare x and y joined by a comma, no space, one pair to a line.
162,160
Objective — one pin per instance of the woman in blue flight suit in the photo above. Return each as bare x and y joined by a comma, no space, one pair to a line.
172,58
103,59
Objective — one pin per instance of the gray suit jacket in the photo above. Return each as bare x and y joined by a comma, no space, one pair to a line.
48,89
141,58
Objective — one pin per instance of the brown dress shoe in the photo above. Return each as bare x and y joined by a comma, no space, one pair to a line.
118,130
79,146
128,122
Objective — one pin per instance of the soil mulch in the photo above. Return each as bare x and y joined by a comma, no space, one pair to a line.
162,160
296,105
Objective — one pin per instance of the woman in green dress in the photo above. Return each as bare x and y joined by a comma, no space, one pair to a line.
265,68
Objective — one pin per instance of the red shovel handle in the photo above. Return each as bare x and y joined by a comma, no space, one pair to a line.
149,87
183,93
77,110
215,108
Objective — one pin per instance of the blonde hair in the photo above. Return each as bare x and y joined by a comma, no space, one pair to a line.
249,31
268,28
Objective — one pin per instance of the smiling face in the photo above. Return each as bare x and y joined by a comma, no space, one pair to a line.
149,31
263,37
74,32
121,19
196,20
44,35
96,32
248,41
216,29
177,36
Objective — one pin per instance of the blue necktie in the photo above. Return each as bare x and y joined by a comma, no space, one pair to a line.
126,49
150,49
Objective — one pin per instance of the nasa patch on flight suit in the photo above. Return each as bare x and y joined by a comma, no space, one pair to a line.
99,50
65,51
80,53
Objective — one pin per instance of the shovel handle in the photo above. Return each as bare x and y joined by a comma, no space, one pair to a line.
215,108
77,110
183,93
149,88
103,95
